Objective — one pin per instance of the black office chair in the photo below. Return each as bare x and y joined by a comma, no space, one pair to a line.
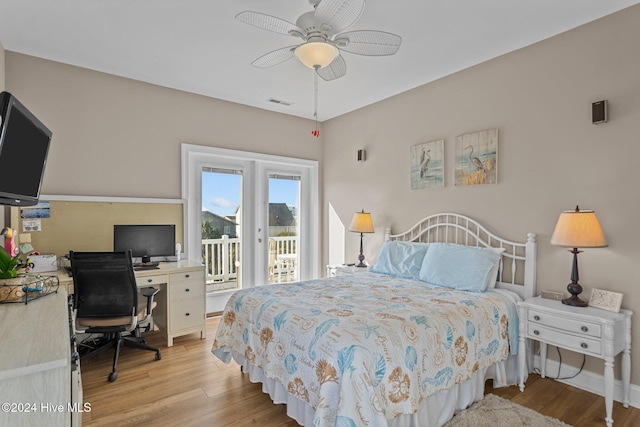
106,302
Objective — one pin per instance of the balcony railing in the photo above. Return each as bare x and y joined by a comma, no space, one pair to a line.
283,259
222,258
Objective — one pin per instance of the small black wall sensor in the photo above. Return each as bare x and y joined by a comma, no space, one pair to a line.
362,155
599,112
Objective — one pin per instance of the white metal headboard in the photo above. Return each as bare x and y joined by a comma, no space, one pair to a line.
518,263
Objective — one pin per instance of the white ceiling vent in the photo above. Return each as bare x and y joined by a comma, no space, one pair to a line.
279,101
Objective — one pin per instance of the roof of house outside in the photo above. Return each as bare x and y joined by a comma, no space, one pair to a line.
280,215
220,223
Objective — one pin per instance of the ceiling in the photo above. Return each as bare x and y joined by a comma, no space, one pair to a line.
197,46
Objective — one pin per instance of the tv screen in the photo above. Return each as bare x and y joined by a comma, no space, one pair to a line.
24,146
145,240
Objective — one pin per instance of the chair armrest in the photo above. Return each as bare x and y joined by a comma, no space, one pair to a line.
149,294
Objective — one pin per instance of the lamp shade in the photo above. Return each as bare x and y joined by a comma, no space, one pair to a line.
578,229
361,223
316,54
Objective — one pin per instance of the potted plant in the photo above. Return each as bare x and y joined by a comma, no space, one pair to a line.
9,266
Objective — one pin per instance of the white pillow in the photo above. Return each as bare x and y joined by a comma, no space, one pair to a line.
493,274
400,259
461,267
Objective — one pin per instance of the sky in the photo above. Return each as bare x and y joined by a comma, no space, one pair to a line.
221,192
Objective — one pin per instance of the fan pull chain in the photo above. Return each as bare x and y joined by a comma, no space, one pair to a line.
315,132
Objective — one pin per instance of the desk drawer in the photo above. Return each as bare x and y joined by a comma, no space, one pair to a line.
188,276
187,314
562,323
156,279
190,289
581,344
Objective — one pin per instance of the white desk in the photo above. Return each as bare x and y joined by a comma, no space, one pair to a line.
181,308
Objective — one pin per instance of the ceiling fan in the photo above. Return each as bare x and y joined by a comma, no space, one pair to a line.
323,37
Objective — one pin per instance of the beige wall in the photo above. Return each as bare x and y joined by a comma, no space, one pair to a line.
551,157
118,137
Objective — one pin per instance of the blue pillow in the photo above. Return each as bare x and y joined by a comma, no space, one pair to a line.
466,268
400,259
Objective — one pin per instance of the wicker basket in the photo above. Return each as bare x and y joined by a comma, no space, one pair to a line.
27,288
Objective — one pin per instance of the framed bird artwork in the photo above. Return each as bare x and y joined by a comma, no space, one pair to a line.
427,165
476,158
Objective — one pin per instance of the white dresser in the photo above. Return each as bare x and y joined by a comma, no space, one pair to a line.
37,385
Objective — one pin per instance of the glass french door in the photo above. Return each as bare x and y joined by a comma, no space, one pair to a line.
273,202
221,229
283,228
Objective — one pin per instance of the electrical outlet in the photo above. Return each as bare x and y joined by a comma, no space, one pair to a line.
558,296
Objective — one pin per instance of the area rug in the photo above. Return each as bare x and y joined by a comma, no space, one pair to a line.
494,411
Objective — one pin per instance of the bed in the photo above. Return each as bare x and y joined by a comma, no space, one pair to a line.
407,343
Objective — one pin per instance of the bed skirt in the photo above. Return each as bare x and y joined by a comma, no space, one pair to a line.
434,411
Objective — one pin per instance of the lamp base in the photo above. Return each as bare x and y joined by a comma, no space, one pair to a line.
574,289
361,256
574,301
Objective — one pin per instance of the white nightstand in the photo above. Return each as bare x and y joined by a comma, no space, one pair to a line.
586,330
342,270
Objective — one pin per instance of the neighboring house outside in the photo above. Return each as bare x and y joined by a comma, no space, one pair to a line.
281,220
222,224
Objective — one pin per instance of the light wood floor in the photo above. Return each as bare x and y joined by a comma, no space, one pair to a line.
191,387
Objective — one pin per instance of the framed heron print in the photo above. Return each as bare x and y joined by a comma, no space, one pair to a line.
427,165
476,160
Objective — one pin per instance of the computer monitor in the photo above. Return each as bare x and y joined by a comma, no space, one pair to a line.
145,240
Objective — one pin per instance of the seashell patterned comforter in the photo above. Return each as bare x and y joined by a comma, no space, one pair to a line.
363,348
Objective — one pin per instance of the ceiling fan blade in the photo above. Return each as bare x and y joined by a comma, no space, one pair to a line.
336,15
275,57
335,70
368,42
267,22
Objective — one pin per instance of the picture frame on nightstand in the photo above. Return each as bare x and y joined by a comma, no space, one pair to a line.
606,300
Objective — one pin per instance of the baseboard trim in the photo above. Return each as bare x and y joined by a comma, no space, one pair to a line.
591,382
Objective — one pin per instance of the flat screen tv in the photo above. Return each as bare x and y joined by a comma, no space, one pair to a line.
24,146
145,240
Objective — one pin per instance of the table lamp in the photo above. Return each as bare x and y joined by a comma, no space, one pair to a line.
361,223
577,229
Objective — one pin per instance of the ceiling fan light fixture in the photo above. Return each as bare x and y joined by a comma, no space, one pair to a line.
316,54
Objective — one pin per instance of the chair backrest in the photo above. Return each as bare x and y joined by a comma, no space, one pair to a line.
104,284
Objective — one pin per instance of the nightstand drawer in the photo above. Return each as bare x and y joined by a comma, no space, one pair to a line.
561,323
560,338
